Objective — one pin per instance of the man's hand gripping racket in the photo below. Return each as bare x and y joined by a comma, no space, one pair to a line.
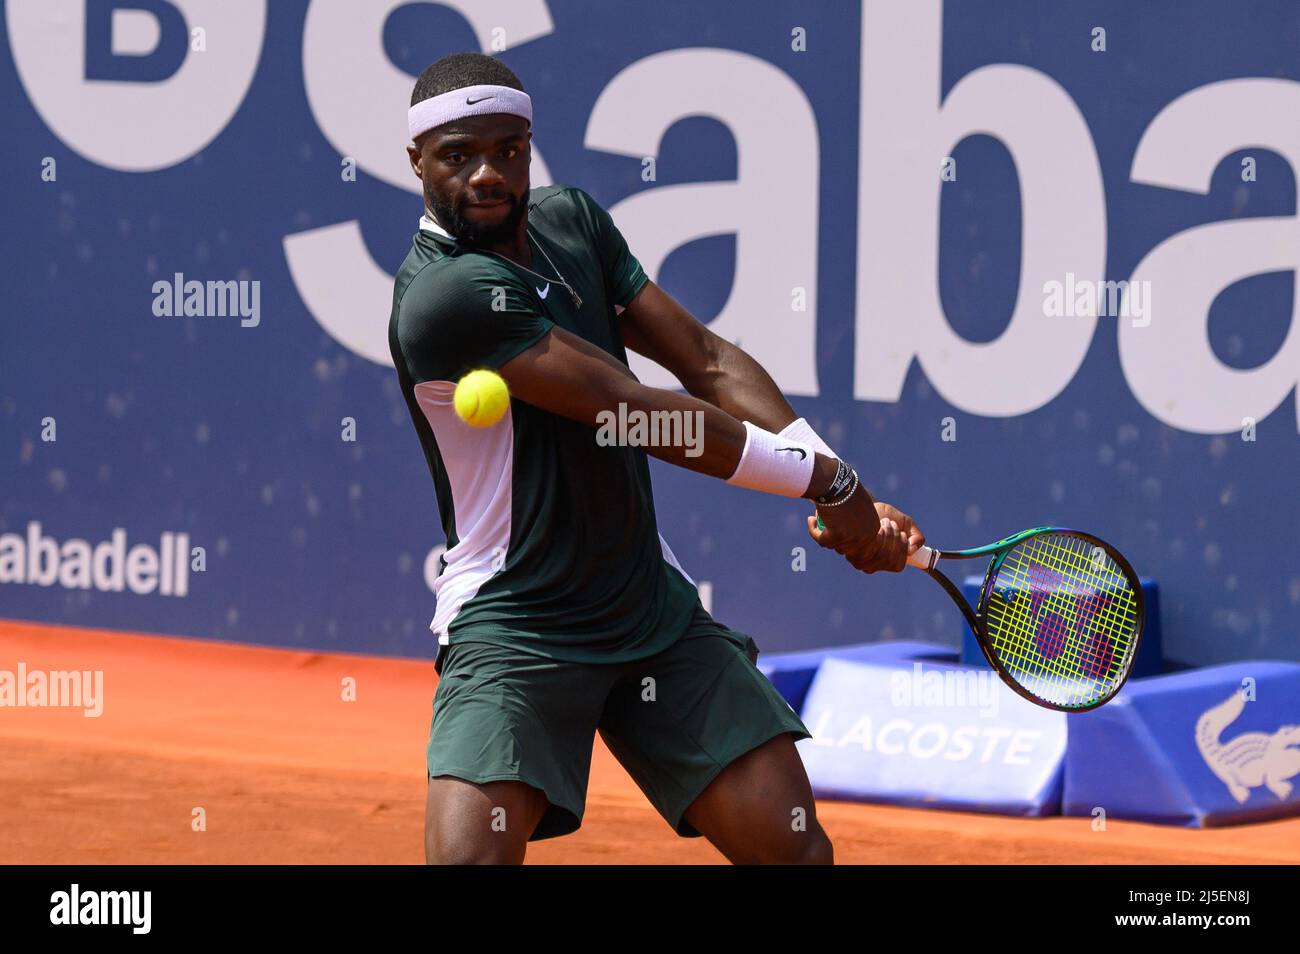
898,537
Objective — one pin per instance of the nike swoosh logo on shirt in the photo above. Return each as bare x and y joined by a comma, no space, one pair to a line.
471,102
542,293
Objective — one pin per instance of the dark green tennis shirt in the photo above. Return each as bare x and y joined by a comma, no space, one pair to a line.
552,543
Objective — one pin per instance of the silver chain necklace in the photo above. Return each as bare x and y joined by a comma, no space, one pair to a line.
577,301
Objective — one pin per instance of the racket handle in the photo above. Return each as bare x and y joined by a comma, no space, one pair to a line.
924,558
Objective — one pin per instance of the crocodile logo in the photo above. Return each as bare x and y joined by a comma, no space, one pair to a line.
1252,758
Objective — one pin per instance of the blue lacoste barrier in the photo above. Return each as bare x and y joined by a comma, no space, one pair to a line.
1213,746
1150,657
899,722
930,734
792,673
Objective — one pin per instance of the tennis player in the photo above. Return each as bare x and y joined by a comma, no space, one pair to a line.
561,611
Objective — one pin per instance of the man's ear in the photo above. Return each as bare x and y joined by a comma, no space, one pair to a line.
416,161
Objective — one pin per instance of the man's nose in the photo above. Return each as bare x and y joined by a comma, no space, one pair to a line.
486,175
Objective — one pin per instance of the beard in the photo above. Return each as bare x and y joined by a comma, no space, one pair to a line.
451,216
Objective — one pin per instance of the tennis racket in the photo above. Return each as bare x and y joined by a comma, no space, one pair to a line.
1059,617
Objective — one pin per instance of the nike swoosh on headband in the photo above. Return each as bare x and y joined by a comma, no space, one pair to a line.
471,102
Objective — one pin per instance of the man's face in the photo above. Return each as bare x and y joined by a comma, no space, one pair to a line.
475,175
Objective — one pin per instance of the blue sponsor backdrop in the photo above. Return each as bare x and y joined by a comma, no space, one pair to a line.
232,435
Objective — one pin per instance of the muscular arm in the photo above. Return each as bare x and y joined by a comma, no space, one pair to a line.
570,377
709,367
721,374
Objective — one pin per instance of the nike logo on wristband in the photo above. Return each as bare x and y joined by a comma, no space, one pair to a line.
798,450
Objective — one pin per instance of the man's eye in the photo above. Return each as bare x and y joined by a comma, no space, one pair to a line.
454,159
509,152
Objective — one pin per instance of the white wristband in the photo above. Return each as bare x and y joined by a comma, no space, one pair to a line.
799,430
774,464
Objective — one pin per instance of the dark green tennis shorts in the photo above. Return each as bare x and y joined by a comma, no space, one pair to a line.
674,720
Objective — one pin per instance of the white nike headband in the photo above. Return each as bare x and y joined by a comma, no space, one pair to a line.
467,101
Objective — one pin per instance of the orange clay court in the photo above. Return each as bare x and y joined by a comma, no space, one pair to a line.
287,772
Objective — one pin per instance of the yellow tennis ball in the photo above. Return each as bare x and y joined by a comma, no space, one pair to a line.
481,398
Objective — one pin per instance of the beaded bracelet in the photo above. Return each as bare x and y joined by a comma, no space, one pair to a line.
837,494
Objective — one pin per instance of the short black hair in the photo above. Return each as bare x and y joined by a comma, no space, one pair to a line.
458,70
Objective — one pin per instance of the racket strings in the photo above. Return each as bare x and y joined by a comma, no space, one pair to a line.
1062,618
